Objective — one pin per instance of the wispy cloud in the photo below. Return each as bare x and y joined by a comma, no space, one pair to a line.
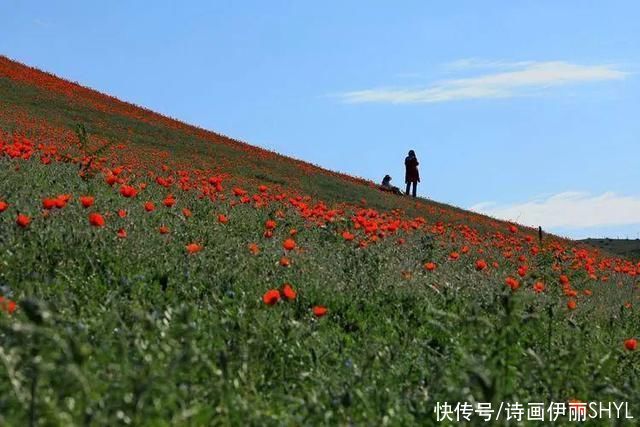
569,210
512,79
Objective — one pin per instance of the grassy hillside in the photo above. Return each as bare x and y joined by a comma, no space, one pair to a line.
153,273
628,248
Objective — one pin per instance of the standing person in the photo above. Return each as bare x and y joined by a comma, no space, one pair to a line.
412,176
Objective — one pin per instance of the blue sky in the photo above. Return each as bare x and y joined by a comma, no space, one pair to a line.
526,110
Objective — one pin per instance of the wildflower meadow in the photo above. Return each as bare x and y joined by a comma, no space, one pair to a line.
155,273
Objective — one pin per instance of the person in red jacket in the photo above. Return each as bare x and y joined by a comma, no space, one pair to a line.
412,176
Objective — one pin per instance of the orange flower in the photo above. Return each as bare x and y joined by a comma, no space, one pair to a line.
96,219
522,271
512,283
454,256
347,236
631,344
284,261
192,248
481,264
128,191
87,201
48,203
271,297
430,266
270,224
289,244
564,280
538,287
3,206
571,304
61,200
163,229
23,221
320,310
186,212
253,248
288,292
169,201
223,219
149,206
7,305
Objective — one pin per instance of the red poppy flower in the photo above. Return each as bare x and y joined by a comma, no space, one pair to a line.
288,292
149,206
631,344
513,229
564,280
512,283
270,224
186,212
271,297
289,244
347,236
110,179
48,203
128,191
454,256
122,233
169,201
192,248
538,287
122,213
320,310
284,261
96,219
163,229
263,188
430,266
3,206
253,248
268,234
7,305
87,201
223,219
23,221
571,304
481,264
522,271
61,200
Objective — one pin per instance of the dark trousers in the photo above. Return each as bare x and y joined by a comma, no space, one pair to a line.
415,187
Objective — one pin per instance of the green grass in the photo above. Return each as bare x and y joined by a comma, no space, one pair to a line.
135,331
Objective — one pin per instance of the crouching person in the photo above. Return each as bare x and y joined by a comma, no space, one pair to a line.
386,185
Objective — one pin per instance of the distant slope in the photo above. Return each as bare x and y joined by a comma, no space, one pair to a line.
627,248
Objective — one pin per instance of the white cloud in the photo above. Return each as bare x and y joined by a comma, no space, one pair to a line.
521,79
569,210
477,63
